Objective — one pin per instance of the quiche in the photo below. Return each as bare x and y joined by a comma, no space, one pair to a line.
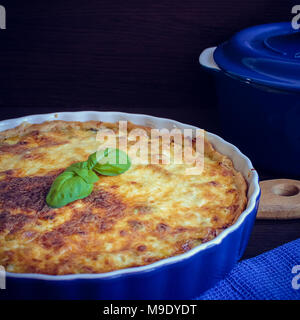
148,213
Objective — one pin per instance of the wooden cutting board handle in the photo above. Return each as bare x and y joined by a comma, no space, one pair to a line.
280,199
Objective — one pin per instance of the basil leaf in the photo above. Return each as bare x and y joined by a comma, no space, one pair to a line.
89,176
77,181
92,161
79,165
81,169
109,162
66,188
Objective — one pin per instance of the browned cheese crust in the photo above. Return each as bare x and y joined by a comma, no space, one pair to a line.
151,212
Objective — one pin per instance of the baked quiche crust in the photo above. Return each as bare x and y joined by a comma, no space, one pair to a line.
151,212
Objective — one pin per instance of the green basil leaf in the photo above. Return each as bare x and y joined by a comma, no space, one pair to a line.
92,161
81,169
109,162
89,176
77,181
79,165
66,188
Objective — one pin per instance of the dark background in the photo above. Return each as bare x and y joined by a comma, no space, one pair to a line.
135,56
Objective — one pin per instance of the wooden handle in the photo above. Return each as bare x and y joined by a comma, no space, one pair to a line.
280,199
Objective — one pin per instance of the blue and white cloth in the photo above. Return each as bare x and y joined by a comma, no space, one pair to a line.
274,275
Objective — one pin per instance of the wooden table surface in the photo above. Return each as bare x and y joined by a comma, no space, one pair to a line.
133,56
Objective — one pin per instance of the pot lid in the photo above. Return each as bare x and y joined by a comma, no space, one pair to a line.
267,54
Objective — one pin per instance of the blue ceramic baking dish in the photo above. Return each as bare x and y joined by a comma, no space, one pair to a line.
180,277
257,75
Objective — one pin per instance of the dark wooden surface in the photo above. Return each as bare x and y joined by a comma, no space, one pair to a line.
134,56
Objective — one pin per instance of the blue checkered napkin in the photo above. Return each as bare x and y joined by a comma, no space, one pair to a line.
272,275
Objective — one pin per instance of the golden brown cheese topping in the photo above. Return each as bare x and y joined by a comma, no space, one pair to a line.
150,212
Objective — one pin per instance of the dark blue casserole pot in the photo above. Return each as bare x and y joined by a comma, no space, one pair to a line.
257,75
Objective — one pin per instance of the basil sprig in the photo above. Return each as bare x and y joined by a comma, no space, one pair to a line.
77,181
109,162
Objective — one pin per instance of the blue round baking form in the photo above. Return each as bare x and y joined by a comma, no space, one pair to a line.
180,277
